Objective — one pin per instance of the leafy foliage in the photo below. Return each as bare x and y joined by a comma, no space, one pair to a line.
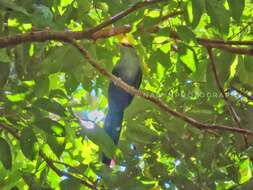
55,101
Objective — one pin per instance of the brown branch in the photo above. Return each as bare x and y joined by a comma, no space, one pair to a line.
118,82
106,33
92,33
45,35
231,110
226,42
240,51
50,162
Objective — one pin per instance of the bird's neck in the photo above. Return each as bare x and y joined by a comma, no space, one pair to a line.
129,56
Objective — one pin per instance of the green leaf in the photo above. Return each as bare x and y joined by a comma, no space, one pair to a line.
42,16
5,154
189,59
28,143
223,63
244,76
83,7
198,7
5,70
248,62
185,34
32,181
50,105
50,126
14,188
236,8
67,184
245,171
218,14
57,144
148,22
11,5
71,83
99,137
41,87
4,56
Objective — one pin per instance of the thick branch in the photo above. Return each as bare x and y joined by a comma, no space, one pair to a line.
45,35
153,99
92,33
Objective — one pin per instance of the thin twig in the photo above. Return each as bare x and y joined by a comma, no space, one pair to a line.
61,173
242,30
226,42
71,167
231,110
222,44
122,14
243,93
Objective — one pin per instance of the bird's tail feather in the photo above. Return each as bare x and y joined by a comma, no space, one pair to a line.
113,123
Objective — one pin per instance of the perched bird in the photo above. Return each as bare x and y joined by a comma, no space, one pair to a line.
129,70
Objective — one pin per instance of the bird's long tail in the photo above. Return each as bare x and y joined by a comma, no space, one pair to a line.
113,123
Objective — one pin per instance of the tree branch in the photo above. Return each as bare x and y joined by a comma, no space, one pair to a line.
243,93
222,44
240,51
122,14
50,162
61,173
231,110
118,82
92,33
45,35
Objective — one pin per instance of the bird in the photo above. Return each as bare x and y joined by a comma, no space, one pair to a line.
128,69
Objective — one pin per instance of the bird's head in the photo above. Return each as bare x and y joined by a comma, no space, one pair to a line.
126,41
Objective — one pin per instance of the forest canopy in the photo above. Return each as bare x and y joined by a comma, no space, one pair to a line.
190,126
